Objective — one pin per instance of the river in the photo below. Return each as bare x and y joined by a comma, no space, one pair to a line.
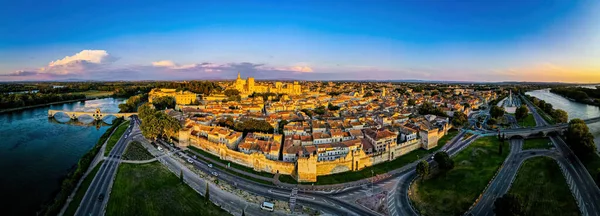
574,109
36,153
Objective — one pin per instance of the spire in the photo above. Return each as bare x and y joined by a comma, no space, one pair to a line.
239,75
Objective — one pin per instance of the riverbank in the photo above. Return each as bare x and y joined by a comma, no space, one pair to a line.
73,178
40,105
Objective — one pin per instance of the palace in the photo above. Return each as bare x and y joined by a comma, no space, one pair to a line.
181,97
248,87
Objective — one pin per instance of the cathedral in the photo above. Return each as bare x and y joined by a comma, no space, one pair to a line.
248,87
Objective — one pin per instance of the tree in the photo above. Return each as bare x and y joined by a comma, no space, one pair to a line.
181,176
444,161
496,111
145,110
492,121
502,138
547,108
207,193
560,116
521,112
411,102
165,102
579,138
332,107
508,205
422,169
459,119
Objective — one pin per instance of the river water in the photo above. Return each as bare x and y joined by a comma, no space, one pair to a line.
36,152
574,109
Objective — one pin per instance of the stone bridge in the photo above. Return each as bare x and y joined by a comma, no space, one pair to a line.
97,115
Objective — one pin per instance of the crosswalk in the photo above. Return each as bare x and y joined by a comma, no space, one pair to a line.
293,197
391,204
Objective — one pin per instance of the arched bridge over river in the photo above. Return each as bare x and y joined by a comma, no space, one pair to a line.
97,115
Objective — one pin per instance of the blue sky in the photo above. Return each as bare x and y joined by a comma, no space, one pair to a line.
475,40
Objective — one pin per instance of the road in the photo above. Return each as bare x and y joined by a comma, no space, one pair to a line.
92,204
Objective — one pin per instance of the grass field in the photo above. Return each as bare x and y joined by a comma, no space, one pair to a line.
537,143
81,191
529,121
112,141
135,151
455,192
377,169
542,188
151,189
593,166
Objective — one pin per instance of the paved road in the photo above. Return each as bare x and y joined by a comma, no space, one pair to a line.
91,204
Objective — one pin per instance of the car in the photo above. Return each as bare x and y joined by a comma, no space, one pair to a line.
215,173
101,197
160,149
195,157
210,165
190,161
267,206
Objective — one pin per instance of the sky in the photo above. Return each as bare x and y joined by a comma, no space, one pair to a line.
457,40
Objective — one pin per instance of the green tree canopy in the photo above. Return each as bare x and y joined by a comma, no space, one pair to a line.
459,119
165,102
496,112
521,112
422,169
444,161
580,139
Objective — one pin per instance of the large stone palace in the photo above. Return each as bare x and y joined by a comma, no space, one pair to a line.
181,97
248,86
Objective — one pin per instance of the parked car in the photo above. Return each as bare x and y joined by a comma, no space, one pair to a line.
210,165
267,206
160,149
190,161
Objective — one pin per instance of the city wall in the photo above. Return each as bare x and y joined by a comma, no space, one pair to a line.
305,169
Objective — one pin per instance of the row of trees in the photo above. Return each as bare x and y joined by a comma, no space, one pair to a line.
559,116
205,88
8,101
156,123
579,94
132,103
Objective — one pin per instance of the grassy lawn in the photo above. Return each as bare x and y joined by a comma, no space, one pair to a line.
593,166
151,189
112,141
537,143
542,188
81,191
234,165
529,121
377,169
135,151
455,192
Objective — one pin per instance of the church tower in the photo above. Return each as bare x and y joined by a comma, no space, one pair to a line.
239,77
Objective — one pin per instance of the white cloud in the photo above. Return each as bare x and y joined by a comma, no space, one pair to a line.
90,56
163,63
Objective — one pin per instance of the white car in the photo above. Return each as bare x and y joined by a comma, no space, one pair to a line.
160,149
210,165
190,161
215,173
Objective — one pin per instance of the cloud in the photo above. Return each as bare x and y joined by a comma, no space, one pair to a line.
303,69
163,63
21,73
87,56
